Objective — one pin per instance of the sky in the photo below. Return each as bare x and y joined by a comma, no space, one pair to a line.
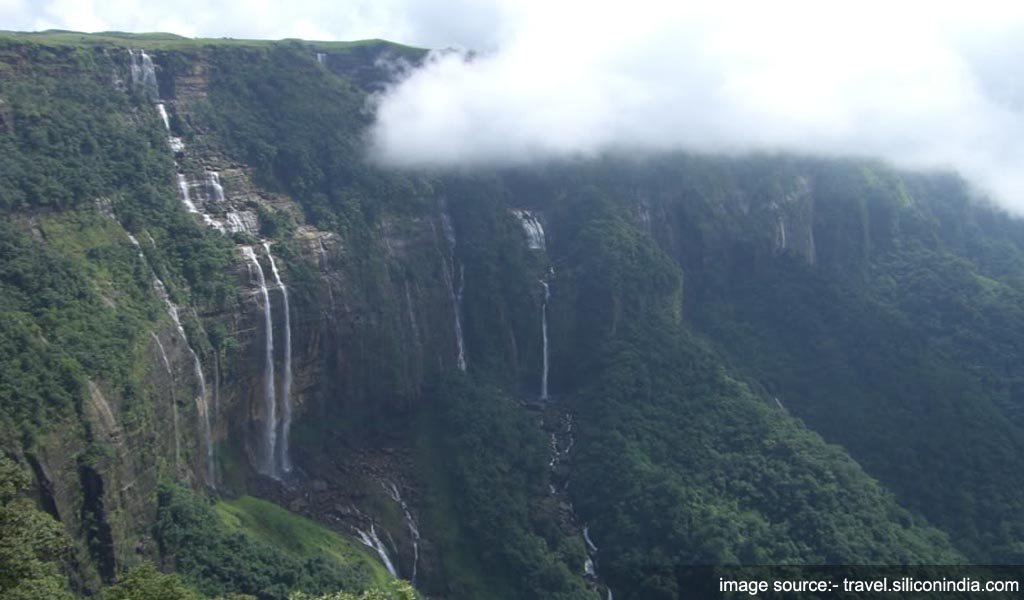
923,85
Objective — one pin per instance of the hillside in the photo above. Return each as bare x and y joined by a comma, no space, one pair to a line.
234,348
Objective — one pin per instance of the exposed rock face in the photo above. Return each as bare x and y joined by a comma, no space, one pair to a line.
347,319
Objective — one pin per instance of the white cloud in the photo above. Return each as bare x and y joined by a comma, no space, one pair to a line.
921,84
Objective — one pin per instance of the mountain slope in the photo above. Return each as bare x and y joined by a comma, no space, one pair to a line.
538,382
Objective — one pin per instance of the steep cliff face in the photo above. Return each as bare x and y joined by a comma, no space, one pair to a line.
369,317
485,377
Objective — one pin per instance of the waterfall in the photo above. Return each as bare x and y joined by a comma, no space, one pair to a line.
286,387
532,227
458,320
216,385
190,206
138,246
174,403
372,541
242,222
410,523
162,111
267,466
186,198
202,406
235,224
456,299
321,58
590,566
590,543
544,333
323,253
203,410
143,73
175,142
214,188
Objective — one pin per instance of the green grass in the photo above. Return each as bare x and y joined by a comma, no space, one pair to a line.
170,41
296,535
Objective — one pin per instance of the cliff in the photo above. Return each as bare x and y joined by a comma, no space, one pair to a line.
205,282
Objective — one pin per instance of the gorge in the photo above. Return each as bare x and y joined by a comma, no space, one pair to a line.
236,348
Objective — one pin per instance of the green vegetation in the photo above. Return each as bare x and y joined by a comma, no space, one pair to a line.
275,526
145,582
31,543
492,484
845,390
252,547
396,590
170,41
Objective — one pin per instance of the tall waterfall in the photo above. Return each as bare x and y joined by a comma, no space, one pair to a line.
371,540
532,227
174,402
456,299
143,73
544,335
286,387
202,405
268,461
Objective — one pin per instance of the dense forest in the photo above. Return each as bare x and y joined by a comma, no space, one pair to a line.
698,360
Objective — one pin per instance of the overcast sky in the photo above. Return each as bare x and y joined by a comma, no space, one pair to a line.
921,84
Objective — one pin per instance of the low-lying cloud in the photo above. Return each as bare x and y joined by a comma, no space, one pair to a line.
920,84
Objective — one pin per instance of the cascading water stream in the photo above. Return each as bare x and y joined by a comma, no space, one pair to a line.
563,440
268,462
186,197
214,186
286,386
590,566
203,408
410,523
202,405
372,541
174,402
175,142
532,227
190,206
162,111
144,73
544,334
456,298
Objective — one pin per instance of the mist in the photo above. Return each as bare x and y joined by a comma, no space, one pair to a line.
919,84
923,85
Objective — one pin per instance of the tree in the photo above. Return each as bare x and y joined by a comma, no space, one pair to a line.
145,582
31,543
